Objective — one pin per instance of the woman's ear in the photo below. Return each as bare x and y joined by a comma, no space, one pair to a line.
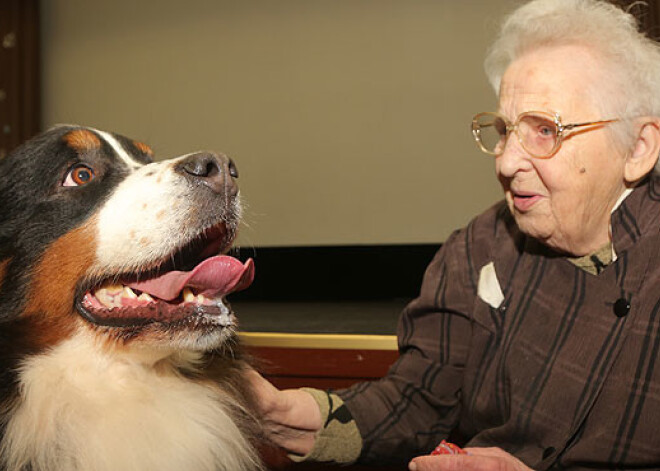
645,152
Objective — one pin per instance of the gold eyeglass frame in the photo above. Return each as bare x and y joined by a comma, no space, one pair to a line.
562,130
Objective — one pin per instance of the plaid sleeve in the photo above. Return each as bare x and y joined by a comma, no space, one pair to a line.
416,405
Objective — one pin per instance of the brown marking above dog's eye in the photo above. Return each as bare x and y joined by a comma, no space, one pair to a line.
142,147
82,140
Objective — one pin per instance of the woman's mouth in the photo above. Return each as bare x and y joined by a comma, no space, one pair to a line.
523,201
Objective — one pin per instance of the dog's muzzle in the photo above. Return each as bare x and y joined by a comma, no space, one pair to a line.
216,171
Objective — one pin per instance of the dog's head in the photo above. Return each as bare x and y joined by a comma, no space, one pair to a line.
95,236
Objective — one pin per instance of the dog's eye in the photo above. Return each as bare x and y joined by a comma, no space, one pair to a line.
78,175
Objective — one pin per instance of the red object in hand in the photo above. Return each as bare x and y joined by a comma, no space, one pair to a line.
446,448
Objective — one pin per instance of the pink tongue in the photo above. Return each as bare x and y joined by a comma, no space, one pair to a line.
215,276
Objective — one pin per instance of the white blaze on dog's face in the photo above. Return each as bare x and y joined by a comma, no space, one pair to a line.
135,225
136,246
160,210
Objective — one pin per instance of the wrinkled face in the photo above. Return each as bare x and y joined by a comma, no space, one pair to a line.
564,201
95,237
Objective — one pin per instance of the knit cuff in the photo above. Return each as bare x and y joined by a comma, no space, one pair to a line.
339,439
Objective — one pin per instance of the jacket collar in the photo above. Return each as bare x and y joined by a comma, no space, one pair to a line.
638,215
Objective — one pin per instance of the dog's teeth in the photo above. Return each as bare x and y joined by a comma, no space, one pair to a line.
145,297
110,295
201,299
128,293
105,298
188,296
113,289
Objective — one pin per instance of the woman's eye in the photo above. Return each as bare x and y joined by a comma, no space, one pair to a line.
78,175
546,131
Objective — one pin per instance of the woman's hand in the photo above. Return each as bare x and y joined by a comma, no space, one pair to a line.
477,459
291,416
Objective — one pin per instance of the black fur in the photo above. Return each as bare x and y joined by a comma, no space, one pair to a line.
35,210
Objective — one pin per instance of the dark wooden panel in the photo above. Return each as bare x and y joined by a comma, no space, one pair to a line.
19,72
322,369
323,363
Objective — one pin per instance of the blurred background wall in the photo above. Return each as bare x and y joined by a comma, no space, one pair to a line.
349,120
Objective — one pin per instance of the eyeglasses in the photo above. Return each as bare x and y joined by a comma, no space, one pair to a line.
539,133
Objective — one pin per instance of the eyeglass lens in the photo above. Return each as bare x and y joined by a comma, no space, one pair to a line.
537,133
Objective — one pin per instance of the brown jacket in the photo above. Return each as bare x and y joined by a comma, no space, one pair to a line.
564,372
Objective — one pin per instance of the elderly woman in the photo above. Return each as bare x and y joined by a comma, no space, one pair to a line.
535,340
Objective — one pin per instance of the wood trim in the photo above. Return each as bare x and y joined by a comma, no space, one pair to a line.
319,341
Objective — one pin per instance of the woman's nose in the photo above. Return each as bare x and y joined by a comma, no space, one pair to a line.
513,158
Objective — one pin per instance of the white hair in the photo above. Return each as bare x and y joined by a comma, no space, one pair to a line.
631,61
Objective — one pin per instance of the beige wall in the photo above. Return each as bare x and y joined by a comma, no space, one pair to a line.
348,119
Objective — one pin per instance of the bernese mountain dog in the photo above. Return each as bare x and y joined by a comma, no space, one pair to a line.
118,349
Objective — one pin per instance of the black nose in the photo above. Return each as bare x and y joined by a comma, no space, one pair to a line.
216,171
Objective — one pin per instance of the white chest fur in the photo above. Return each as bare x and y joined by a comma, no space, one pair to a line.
86,409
